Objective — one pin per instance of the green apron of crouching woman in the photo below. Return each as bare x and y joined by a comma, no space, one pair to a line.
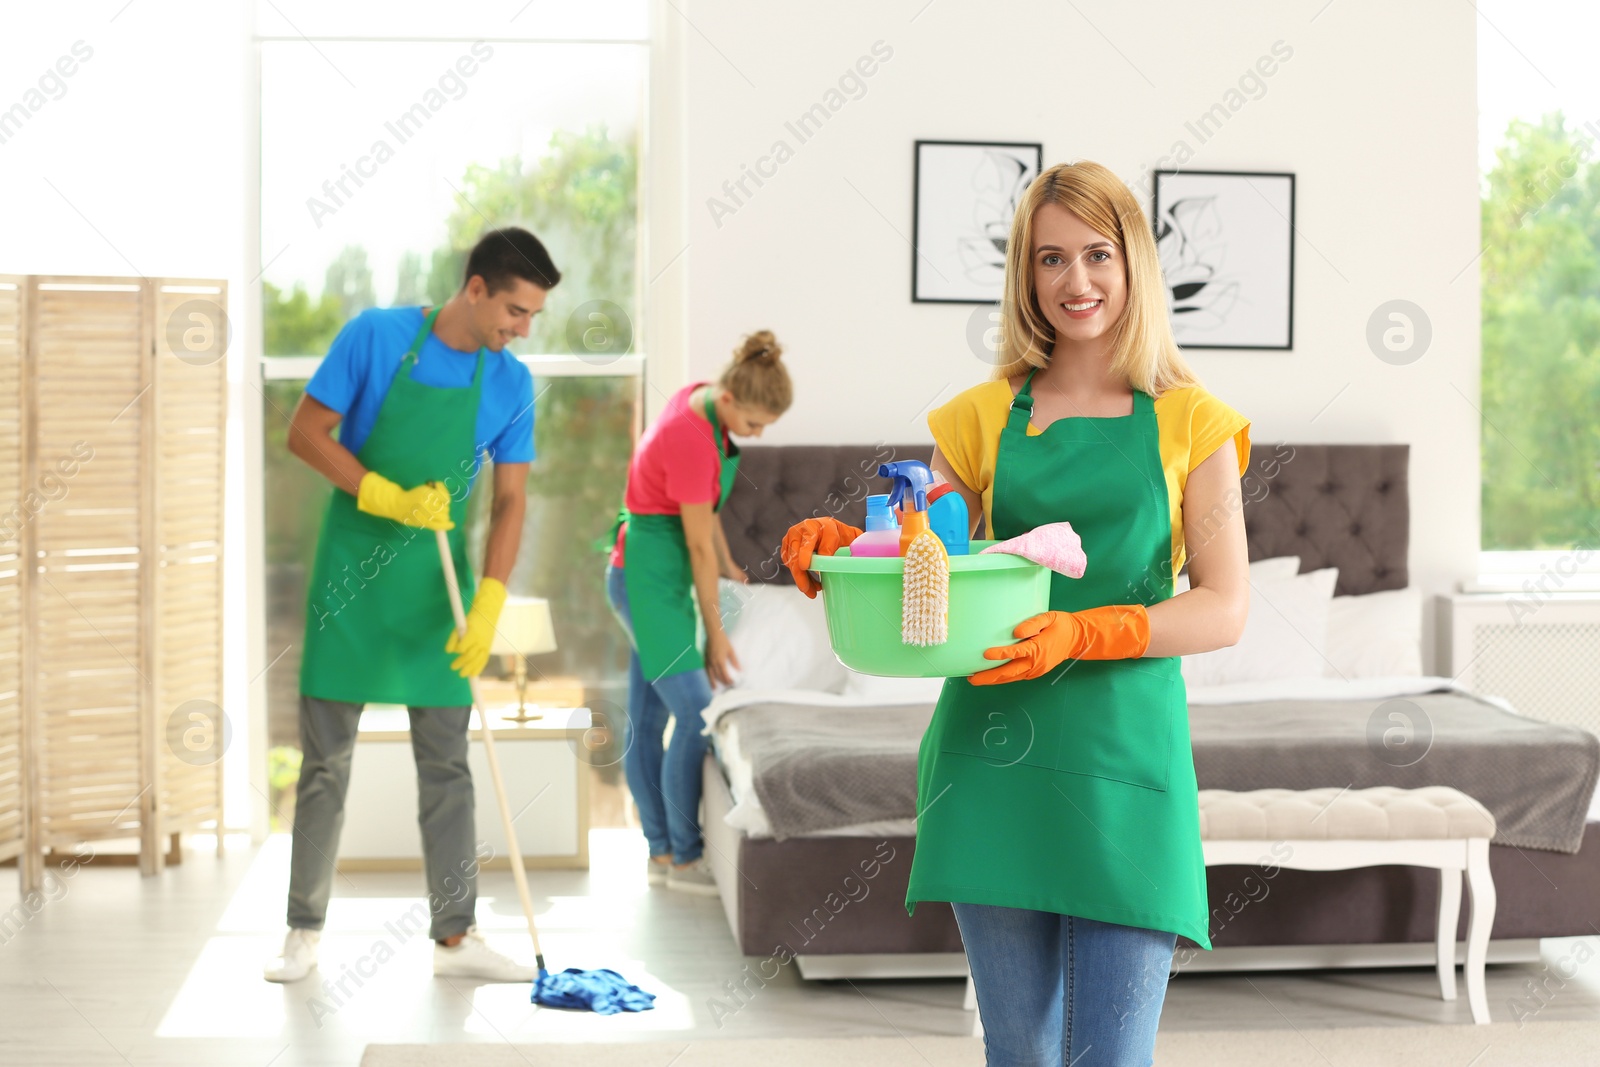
1074,792
665,623
654,599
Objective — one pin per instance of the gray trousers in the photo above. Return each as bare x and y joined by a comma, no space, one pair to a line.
444,811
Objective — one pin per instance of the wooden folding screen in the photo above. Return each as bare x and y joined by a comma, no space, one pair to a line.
120,395
14,808
190,400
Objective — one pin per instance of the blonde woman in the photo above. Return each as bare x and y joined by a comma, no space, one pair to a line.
669,550
1057,802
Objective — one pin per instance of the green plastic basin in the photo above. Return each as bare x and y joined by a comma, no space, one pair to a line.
989,595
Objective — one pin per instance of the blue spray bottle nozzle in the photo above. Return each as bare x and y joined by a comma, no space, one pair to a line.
947,515
908,474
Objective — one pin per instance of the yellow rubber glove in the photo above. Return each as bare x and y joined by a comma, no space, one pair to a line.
473,646
1116,631
427,506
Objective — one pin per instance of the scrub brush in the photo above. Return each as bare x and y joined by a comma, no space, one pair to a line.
925,594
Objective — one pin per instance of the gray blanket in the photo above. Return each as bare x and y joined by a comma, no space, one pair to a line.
822,768
818,768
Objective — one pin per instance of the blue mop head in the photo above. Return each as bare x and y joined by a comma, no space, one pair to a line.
602,991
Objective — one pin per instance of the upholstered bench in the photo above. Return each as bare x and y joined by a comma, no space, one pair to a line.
1335,829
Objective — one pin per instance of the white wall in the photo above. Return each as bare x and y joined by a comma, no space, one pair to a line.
138,164
134,164
1374,112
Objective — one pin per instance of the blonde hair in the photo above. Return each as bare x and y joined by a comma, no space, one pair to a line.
756,378
1143,351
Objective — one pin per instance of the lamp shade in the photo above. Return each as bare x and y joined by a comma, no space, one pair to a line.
525,627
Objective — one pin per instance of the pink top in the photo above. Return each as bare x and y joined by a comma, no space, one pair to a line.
675,463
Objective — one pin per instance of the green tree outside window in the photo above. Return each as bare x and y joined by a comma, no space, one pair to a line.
1541,340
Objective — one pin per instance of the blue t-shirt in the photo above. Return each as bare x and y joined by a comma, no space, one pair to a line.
354,379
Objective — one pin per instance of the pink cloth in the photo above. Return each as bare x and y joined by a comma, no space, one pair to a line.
675,463
1055,545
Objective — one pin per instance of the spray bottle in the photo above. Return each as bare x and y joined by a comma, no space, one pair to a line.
912,480
919,489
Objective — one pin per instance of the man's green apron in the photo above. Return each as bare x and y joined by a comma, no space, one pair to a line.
1075,792
377,611
660,581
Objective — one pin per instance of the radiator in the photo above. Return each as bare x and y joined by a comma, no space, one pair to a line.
1541,652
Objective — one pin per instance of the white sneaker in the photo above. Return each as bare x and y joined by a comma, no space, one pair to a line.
471,957
656,872
298,959
693,877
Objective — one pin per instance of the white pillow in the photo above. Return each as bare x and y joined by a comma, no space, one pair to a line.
780,637
892,690
1376,635
1285,636
1260,570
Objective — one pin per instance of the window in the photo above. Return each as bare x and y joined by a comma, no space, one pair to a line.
1540,273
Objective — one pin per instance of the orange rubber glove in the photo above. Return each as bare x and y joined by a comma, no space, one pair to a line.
1116,631
826,536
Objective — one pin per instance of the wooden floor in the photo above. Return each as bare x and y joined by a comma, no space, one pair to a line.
122,970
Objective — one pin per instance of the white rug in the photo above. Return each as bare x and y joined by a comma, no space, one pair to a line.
1496,1045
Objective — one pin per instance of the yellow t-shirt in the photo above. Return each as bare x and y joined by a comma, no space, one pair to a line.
1191,425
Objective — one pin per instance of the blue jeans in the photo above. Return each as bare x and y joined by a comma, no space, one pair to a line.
665,780
1060,989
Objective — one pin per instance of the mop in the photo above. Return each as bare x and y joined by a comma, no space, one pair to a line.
603,991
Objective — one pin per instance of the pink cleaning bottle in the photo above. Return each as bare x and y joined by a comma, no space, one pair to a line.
882,536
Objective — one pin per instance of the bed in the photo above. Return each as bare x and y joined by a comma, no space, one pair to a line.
810,780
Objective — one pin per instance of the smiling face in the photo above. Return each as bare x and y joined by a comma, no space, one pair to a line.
500,317
1080,276
742,420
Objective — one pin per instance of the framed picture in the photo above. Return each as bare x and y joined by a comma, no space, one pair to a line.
964,196
1226,241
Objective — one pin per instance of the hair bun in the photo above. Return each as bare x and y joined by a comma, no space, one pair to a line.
760,345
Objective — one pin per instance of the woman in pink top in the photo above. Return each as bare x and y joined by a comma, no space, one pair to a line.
669,552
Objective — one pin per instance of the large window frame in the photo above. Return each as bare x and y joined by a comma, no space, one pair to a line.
1509,91
1539,572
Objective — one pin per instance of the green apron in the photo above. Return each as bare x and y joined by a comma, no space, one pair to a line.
660,581
377,611
1072,793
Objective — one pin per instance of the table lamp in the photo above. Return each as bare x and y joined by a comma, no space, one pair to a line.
524,629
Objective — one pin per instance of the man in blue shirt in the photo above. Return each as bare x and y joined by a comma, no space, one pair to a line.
418,396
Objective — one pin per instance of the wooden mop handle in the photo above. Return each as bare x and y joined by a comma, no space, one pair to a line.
517,873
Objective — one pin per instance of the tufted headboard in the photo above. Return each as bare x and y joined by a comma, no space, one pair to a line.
1344,506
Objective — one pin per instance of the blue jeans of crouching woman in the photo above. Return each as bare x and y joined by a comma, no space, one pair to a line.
1060,989
665,780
